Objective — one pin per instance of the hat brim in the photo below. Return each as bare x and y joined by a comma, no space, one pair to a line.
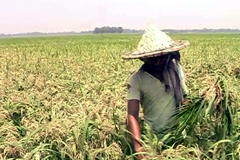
178,45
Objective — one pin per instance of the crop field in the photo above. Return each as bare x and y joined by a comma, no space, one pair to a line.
64,97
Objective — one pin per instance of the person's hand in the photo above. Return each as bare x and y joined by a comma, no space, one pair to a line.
140,156
186,101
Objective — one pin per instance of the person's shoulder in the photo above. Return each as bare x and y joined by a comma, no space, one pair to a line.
135,76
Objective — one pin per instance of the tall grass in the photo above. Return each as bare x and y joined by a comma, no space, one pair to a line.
65,98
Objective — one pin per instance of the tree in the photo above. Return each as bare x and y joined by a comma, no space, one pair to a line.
107,29
119,30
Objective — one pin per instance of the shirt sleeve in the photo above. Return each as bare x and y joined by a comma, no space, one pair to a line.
183,80
134,91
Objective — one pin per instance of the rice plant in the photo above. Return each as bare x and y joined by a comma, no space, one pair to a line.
64,97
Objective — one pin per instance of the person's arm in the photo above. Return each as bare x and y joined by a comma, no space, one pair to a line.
133,112
134,97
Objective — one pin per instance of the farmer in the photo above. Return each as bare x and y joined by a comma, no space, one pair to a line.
159,84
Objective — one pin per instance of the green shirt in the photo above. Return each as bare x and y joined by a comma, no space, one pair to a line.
158,106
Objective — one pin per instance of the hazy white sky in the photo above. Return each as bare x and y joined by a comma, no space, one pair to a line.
17,16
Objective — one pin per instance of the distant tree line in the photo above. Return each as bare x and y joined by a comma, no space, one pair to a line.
45,34
133,31
204,30
107,29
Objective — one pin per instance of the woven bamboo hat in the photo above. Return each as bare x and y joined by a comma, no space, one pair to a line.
155,42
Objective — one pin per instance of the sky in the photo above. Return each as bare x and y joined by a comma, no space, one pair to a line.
20,16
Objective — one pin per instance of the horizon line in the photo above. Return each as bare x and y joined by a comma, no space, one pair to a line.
123,28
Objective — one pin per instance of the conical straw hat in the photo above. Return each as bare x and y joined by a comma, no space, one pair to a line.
155,42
